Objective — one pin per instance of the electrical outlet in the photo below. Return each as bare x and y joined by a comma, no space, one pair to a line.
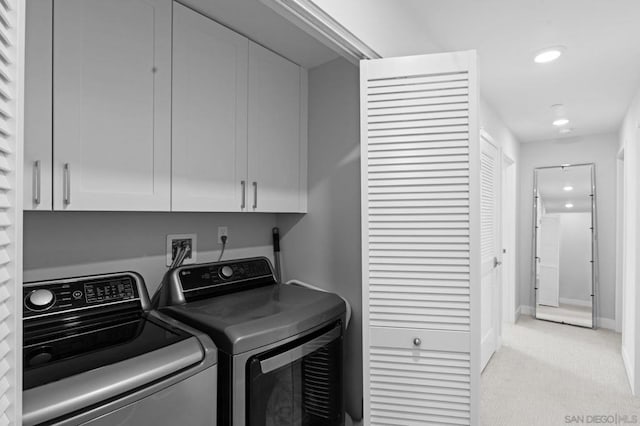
222,231
175,241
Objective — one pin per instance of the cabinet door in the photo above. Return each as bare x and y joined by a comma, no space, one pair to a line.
277,133
112,104
37,105
209,144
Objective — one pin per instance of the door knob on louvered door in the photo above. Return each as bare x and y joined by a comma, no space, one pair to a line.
417,342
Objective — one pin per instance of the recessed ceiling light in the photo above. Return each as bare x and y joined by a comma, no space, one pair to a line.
560,122
549,54
568,188
569,205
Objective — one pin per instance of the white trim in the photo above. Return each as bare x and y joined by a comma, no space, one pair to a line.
628,366
14,412
620,238
475,256
575,302
306,15
508,207
518,313
526,310
606,323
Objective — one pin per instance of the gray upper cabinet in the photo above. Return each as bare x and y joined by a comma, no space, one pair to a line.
147,105
277,132
38,105
112,105
209,142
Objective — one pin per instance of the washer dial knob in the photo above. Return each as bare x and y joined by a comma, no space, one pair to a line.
40,300
226,272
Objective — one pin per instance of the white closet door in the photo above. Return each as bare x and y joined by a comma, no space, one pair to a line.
11,179
490,247
420,219
112,105
209,144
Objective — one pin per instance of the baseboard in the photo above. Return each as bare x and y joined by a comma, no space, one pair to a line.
526,310
628,367
607,323
575,302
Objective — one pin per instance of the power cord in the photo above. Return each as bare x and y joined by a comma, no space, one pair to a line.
223,238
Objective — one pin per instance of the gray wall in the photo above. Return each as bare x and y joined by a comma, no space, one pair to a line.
323,247
598,149
63,244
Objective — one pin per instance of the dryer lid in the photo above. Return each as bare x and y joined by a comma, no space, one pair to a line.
246,320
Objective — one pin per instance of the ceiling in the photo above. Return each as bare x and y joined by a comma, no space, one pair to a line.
595,79
551,183
260,23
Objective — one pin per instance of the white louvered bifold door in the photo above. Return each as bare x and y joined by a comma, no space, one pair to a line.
11,112
420,219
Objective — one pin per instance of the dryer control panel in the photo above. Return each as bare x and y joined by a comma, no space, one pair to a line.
226,276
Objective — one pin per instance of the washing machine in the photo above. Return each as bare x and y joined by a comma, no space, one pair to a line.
280,346
94,353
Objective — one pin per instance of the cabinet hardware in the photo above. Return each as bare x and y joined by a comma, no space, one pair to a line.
417,342
255,195
67,184
36,182
244,185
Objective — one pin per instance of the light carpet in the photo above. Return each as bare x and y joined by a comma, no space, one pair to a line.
545,372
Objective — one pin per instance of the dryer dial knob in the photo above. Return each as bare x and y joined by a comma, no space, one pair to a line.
40,300
226,272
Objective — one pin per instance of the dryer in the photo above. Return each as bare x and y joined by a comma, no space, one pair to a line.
280,346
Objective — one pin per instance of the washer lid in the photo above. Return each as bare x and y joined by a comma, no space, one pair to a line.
246,320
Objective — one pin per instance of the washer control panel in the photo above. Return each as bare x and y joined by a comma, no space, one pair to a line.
223,274
64,295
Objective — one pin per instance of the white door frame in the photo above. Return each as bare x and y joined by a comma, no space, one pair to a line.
620,237
508,224
497,295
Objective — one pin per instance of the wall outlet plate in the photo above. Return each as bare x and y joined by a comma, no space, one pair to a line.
174,241
222,231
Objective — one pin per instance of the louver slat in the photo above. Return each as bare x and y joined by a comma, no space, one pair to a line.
10,304
418,238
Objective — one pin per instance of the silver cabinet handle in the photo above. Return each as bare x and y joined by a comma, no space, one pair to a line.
255,195
496,262
244,186
417,342
67,184
36,182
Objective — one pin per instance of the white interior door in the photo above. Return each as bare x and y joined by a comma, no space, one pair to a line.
420,239
490,245
549,262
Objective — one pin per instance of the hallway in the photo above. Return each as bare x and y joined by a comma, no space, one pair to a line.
545,372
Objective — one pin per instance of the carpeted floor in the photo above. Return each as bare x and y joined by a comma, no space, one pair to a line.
545,372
